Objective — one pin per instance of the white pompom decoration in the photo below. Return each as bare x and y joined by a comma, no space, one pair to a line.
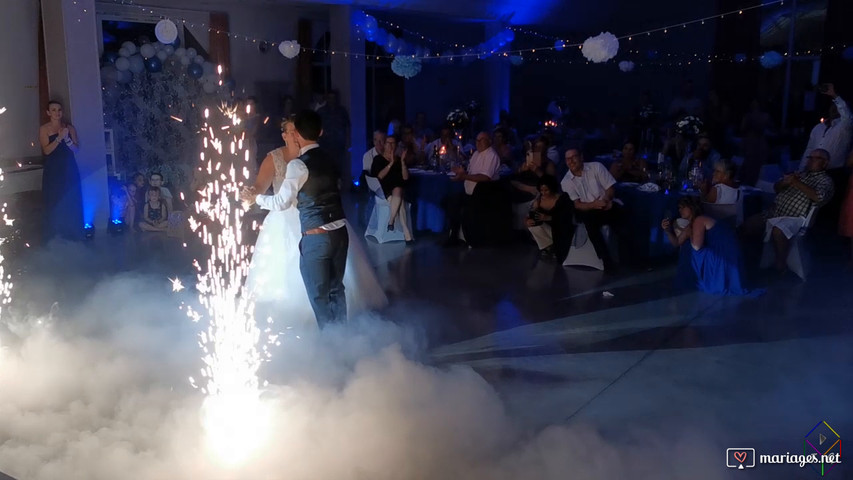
626,66
289,48
600,48
166,31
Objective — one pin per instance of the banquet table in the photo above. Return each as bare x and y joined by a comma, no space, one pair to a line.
643,212
428,191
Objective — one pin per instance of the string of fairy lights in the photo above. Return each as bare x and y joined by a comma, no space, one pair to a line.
537,55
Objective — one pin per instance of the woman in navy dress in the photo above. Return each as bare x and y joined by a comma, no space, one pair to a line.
60,184
709,258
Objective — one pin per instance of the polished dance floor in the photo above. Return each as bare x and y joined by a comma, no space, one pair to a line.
642,368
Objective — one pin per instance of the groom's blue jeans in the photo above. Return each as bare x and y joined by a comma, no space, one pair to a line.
322,261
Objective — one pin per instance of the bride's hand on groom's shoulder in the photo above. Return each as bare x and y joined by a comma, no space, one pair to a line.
248,195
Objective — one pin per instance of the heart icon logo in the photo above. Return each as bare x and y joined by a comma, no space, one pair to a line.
740,456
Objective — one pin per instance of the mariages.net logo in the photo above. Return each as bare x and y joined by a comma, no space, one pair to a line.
821,452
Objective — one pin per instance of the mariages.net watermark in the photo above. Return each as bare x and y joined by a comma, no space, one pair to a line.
821,451
741,458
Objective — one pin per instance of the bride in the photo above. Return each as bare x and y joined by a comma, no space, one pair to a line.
274,279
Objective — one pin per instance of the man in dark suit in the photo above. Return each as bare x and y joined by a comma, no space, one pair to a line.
312,183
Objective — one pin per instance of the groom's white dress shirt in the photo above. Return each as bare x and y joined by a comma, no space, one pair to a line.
294,178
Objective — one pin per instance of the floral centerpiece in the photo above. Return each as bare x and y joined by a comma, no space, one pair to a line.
458,119
689,126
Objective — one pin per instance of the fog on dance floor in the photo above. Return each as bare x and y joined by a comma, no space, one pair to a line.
97,388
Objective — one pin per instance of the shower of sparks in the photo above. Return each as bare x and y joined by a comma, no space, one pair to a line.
5,279
177,286
233,416
2,110
176,119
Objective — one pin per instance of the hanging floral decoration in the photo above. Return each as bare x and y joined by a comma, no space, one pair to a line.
600,48
626,66
772,59
406,67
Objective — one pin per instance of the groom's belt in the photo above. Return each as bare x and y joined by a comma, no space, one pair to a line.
315,231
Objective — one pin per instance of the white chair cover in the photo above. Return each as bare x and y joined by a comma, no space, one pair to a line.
377,225
795,228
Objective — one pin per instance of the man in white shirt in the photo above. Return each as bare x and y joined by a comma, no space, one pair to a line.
591,187
483,167
833,133
378,147
312,183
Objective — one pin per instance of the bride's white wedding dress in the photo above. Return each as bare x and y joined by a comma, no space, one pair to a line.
274,280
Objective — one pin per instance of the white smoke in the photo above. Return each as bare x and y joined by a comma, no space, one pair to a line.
101,393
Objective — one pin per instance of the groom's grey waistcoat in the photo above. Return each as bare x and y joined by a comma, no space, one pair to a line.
319,200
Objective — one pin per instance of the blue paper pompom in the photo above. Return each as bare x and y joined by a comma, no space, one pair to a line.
772,59
406,67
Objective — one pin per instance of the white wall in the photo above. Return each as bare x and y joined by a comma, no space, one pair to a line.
19,92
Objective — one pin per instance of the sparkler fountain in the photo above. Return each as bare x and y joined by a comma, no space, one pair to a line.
233,416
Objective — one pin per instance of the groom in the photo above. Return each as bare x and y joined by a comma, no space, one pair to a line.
312,182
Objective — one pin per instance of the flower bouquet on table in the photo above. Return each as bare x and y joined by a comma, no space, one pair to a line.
458,119
689,126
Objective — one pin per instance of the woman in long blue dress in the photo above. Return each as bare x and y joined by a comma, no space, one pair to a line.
63,200
709,258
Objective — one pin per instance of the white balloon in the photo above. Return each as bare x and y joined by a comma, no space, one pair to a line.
186,60
124,76
166,31
169,49
191,52
209,68
198,59
212,78
122,64
180,51
147,50
130,46
289,48
124,52
162,55
209,87
158,46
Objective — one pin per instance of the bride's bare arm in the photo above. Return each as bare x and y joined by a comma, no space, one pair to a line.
265,175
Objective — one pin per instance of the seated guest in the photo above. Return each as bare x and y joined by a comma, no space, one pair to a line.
525,182
591,187
156,180
551,219
413,147
629,168
131,206
393,173
155,213
377,149
721,188
709,257
422,131
448,141
502,146
544,145
703,155
796,194
483,167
